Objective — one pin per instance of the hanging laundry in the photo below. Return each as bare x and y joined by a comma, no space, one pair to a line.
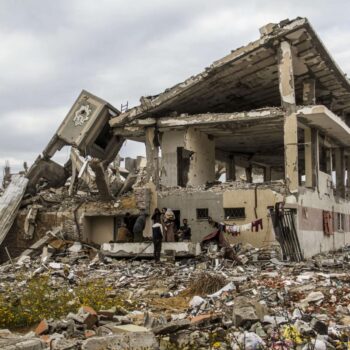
256,224
234,230
246,227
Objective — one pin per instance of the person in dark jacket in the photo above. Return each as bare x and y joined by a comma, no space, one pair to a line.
185,231
156,217
138,228
128,221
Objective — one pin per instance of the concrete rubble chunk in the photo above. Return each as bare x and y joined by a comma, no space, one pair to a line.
314,297
171,327
247,310
122,341
42,328
22,344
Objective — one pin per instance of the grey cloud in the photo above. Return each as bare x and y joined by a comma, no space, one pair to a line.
120,50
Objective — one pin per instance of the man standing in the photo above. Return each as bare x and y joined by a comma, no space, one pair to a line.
157,237
185,231
139,227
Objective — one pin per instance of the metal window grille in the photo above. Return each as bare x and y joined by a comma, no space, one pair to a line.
234,213
202,213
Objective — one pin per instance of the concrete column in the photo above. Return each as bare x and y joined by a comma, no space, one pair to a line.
286,77
287,92
309,92
347,185
315,151
309,165
347,163
267,173
152,155
231,169
249,174
340,171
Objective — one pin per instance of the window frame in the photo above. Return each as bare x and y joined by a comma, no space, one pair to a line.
235,217
200,217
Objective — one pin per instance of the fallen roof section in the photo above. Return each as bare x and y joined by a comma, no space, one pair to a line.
247,78
10,203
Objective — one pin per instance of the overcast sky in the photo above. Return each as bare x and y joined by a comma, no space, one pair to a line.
121,50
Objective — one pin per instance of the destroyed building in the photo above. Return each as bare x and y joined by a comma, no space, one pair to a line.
261,134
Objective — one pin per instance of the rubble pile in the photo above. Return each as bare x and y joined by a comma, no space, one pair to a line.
218,186
89,301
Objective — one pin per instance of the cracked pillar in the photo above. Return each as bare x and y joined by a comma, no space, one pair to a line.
309,164
340,172
267,173
287,92
152,154
315,154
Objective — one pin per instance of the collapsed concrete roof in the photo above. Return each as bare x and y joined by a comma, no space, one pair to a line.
247,78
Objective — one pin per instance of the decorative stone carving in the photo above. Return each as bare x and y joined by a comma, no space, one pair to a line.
82,115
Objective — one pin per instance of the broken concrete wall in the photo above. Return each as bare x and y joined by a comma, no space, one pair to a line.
16,241
71,219
201,153
253,210
187,202
311,204
169,143
202,165
53,173
99,229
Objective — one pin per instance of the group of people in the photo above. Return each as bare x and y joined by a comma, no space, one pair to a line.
131,230
164,228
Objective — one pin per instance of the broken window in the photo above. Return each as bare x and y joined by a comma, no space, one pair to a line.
202,213
325,157
234,213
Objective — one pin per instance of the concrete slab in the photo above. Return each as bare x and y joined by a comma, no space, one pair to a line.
144,250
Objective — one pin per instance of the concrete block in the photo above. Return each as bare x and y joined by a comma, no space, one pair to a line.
123,341
143,250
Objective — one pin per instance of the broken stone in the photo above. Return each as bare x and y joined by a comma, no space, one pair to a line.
123,341
171,327
246,311
42,328
314,297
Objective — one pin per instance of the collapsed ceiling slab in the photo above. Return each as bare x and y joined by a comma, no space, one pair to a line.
246,132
